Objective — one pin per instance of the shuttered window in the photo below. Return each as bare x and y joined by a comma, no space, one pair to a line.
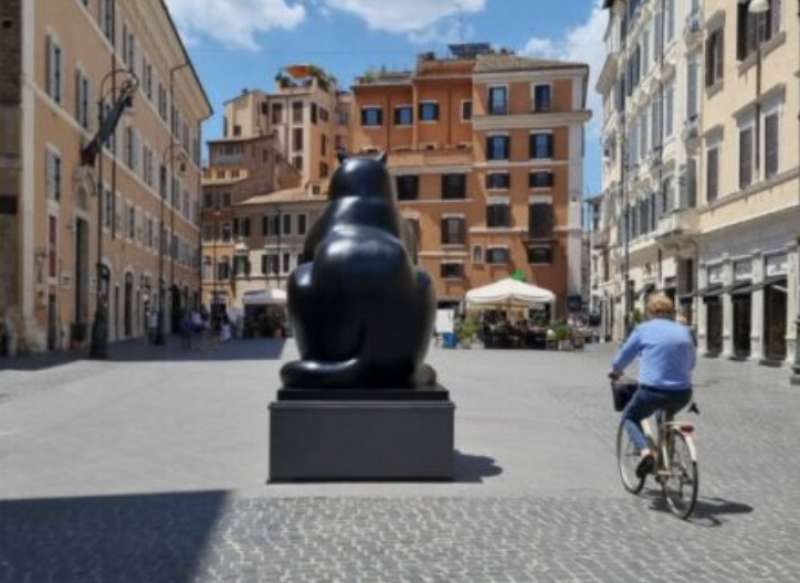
540,220
771,145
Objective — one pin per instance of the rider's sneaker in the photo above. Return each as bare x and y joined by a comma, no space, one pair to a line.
646,466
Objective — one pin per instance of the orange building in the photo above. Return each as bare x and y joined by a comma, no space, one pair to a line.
486,148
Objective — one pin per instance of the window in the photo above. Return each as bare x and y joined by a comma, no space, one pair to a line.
162,105
297,112
82,99
323,145
226,232
714,53
477,254
269,264
277,113
147,78
428,111
669,114
540,255
498,180
542,95
323,170
498,255
52,239
371,116
287,263
107,18
53,175
223,268
749,27
466,110
131,222
667,203
403,115
745,157
454,186
297,139
241,265
453,231
301,224
771,132
541,146
407,187
297,162
323,115
108,207
540,220
314,113
498,102
498,215
693,74
287,224
131,148
497,147
452,270
53,69
670,19
712,174
541,179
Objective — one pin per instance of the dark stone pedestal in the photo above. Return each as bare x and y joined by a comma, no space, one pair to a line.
371,434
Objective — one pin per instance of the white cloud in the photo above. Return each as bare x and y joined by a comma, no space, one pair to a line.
582,43
423,21
234,23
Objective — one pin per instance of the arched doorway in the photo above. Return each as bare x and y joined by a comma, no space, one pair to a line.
128,306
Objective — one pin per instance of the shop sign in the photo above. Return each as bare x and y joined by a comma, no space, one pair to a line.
714,274
776,264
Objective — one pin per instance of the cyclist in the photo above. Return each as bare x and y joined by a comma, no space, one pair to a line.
667,356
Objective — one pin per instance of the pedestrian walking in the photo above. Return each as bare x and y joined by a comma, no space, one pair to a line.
152,324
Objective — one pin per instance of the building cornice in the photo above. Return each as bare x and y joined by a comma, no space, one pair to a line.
577,73
529,121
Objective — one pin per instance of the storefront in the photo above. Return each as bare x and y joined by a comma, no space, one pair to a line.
712,299
775,307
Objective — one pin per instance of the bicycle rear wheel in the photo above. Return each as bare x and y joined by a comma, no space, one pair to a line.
627,460
680,480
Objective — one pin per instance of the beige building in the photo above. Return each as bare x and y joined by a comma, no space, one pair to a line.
749,219
259,205
56,56
728,248
486,148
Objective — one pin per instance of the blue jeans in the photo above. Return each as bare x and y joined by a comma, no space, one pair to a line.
645,402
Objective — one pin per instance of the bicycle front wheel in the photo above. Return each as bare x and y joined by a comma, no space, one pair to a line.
628,459
680,480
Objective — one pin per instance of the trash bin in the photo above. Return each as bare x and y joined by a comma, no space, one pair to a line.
449,340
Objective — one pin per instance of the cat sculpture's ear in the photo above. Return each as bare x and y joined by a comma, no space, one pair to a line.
341,155
382,158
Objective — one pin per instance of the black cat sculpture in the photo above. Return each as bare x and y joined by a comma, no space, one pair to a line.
361,312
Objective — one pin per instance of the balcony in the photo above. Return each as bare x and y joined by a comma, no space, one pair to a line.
601,238
691,132
678,226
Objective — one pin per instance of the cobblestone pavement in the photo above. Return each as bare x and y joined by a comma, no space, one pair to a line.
155,472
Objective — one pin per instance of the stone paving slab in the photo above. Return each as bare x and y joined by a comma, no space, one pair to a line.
152,467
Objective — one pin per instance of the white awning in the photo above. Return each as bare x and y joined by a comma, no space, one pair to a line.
509,293
264,297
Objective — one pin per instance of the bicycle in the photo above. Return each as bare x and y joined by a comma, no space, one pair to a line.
675,469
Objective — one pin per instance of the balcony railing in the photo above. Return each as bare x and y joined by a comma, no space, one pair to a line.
679,224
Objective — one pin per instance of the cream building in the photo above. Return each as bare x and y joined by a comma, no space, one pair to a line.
56,56
258,208
650,88
749,216
727,250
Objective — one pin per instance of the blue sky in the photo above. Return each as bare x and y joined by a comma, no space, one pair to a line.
238,44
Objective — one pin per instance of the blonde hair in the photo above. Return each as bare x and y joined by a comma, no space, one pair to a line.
659,306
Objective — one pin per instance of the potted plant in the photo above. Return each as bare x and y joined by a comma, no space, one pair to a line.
466,331
564,336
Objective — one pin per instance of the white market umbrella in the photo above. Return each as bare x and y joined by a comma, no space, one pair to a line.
264,297
509,293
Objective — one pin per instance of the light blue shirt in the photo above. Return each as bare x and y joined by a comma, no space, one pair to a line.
666,352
